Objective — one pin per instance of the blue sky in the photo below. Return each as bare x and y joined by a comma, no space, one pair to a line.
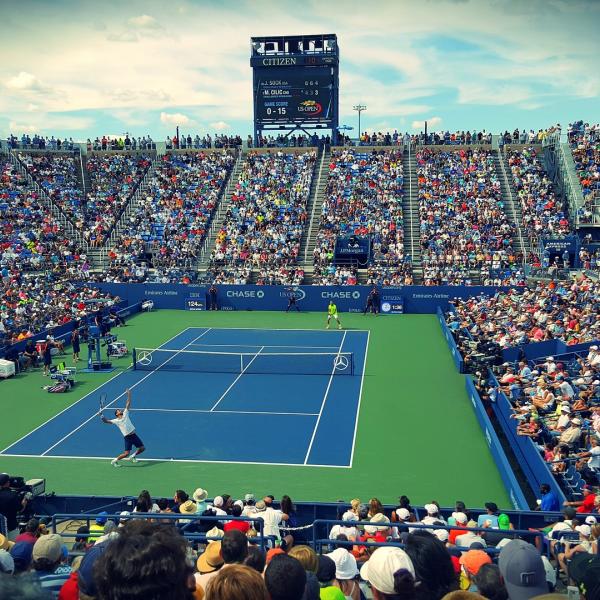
79,68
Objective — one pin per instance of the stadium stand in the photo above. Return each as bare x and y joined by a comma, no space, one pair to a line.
363,197
167,227
57,174
585,143
39,263
543,212
465,232
265,220
113,178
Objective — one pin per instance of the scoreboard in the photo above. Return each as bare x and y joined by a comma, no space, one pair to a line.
302,94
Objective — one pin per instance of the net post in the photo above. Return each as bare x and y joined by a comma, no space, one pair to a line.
134,356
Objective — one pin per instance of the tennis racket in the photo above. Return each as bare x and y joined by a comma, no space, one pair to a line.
102,403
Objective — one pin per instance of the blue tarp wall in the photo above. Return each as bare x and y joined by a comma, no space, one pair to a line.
415,299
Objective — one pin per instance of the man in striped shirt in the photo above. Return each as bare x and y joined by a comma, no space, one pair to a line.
49,553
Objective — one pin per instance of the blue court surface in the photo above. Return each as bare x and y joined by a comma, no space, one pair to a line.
249,401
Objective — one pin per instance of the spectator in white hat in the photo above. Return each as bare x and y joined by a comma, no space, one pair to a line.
584,544
572,434
200,496
346,571
390,572
347,529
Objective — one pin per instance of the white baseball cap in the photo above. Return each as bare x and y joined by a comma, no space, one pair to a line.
380,568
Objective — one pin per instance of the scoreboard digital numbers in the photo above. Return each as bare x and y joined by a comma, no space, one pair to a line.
287,95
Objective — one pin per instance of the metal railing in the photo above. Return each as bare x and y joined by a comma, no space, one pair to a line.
317,193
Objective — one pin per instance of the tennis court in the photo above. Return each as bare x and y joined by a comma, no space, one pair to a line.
214,394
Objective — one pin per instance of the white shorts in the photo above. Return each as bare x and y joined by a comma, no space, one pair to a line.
335,316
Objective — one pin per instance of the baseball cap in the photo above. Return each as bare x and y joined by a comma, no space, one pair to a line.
591,520
48,547
349,516
218,501
101,519
4,479
431,509
522,569
7,563
584,570
381,520
584,529
210,560
21,553
474,559
249,498
403,513
460,517
85,577
379,570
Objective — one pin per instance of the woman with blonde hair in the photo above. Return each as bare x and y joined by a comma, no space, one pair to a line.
237,582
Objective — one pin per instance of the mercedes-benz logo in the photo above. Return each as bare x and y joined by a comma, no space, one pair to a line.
144,357
341,363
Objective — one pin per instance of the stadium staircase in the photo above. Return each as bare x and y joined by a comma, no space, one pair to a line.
219,216
410,213
512,208
314,209
43,196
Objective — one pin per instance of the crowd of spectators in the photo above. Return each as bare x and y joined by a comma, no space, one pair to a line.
167,227
453,138
528,137
363,197
113,178
463,226
38,263
543,212
584,140
106,143
561,310
144,554
57,174
187,142
39,142
265,219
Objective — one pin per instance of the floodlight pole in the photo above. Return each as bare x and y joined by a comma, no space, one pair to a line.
359,108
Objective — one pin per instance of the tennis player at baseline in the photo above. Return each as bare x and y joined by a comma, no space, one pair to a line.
131,438
332,313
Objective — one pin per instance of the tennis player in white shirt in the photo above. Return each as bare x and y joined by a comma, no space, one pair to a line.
131,438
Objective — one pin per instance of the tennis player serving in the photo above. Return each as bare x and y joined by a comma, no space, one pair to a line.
131,438
332,313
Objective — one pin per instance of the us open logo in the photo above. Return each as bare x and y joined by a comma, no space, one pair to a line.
386,307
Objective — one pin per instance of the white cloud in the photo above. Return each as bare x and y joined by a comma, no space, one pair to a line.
220,125
125,36
32,107
144,22
175,119
18,128
25,81
431,123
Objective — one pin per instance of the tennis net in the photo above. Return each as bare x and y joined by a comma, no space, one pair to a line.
283,363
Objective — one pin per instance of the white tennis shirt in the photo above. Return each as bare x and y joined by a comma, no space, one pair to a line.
124,423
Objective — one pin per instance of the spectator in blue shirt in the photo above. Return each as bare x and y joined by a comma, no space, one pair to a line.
549,501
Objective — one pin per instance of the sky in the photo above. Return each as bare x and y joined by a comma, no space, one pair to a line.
79,69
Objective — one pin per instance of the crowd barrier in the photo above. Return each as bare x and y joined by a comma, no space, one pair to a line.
513,488
527,453
409,299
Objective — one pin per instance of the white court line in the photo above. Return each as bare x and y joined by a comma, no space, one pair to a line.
362,380
235,412
121,395
84,397
184,460
236,379
314,433
258,346
278,329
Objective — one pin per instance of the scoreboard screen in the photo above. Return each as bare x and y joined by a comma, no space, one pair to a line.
286,94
